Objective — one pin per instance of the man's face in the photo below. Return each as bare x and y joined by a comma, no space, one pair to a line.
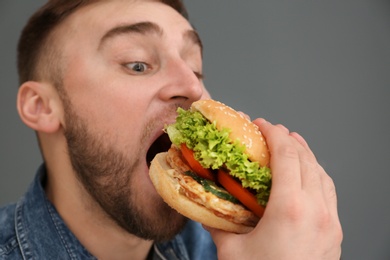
128,66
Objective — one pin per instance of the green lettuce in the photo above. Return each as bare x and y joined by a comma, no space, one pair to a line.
213,149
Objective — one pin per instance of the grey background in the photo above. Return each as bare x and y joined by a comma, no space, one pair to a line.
319,67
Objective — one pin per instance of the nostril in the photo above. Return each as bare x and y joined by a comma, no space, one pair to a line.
181,80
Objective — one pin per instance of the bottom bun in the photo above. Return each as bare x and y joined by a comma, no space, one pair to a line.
167,185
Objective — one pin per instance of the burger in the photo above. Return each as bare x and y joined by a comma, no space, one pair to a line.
217,170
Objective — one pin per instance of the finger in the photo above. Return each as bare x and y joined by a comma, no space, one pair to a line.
301,140
329,191
328,187
244,115
314,178
219,236
284,163
329,218
283,128
259,121
310,169
316,182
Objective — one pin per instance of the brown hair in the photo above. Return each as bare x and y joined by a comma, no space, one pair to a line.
37,58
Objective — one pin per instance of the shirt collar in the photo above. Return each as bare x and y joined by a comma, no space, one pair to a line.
40,230
42,233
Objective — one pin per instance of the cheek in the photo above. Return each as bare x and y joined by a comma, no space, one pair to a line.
111,103
110,115
106,96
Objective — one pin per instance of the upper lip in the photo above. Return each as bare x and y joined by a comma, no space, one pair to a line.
160,141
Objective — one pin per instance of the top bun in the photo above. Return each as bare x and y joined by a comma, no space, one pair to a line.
242,129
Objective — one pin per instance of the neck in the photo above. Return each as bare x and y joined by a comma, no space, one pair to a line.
95,230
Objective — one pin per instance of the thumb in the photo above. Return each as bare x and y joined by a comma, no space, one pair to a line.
228,244
220,236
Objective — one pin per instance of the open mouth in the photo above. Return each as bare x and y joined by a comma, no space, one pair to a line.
162,144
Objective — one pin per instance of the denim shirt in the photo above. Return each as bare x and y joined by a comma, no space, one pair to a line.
33,229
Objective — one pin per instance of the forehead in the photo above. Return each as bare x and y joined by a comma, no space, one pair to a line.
98,18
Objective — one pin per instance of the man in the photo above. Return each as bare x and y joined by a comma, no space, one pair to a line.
99,80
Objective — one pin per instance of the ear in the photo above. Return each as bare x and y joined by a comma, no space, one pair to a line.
39,106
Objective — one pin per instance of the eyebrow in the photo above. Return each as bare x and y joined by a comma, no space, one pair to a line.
193,36
145,28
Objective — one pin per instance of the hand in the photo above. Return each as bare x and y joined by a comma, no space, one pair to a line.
301,219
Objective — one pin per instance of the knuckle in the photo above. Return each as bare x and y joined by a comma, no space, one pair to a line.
339,234
283,128
329,187
324,220
293,211
309,161
335,235
288,151
326,223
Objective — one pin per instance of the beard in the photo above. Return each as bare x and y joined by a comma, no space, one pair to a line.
111,179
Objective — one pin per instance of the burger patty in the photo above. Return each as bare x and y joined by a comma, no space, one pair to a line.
192,189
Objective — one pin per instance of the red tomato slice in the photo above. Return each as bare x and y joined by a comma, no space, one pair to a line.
243,195
195,165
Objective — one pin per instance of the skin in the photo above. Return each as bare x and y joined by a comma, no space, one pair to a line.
115,105
107,110
301,214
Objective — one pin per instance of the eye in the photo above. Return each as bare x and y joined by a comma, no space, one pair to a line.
137,66
199,75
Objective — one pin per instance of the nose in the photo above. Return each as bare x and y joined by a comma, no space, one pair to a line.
181,83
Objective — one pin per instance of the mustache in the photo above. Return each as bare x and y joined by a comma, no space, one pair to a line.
163,117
